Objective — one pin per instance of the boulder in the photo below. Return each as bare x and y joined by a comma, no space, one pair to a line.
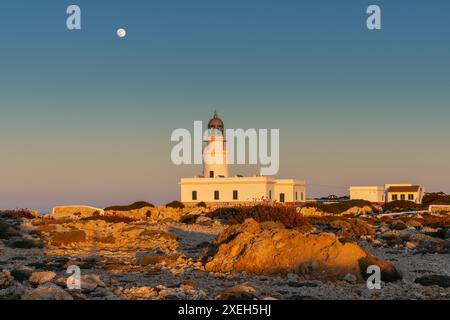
5,279
398,225
90,282
434,280
311,212
357,210
428,244
253,248
48,291
38,278
238,292
413,224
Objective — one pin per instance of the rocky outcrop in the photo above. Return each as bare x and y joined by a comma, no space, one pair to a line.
38,278
357,210
75,211
262,249
311,212
48,291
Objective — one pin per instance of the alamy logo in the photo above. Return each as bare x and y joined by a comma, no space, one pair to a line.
73,21
221,145
74,281
374,20
374,280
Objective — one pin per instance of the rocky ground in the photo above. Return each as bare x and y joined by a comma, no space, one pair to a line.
165,256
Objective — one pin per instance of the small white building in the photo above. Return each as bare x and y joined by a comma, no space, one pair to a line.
389,193
374,194
217,187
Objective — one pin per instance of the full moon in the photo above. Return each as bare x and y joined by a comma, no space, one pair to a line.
121,33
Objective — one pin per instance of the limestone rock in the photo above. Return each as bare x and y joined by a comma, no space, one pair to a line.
398,225
38,278
48,291
238,292
249,247
5,279
311,212
90,282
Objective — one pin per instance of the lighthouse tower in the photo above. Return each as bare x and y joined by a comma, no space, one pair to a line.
215,151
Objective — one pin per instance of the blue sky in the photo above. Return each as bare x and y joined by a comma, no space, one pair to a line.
86,117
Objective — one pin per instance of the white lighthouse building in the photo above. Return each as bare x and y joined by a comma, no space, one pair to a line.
216,186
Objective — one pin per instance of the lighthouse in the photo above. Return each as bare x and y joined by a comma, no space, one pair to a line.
215,150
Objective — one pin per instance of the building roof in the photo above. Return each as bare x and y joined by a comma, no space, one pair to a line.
403,189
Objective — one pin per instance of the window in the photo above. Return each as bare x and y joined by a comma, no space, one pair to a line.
211,174
281,197
411,197
235,194
296,197
394,197
302,196
402,197
216,195
194,195
270,194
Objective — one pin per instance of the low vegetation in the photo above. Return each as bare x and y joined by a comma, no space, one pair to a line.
201,204
16,214
340,207
175,205
288,216
401,205
134,206
436,199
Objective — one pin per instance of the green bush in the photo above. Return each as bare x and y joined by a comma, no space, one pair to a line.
134,206
175,205
201,204
339,207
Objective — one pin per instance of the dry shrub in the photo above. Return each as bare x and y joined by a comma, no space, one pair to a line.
134,206
68,237
288,216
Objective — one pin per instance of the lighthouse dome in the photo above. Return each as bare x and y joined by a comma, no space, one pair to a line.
216,123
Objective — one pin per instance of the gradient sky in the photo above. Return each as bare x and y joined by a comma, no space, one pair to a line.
86,117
